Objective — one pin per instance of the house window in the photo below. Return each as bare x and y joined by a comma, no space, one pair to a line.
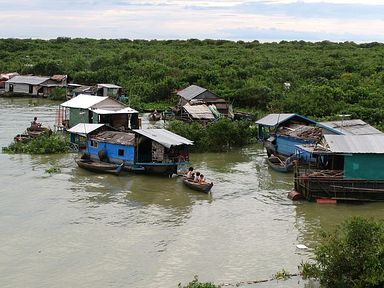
93,144
121,152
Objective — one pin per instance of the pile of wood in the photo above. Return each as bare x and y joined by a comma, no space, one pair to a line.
326,173
302,131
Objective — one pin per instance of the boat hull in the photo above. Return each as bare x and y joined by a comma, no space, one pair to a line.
99,167
279,165
198,187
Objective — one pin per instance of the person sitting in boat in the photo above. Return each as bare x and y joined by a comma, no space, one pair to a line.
189,175
201,179
34,124
197,177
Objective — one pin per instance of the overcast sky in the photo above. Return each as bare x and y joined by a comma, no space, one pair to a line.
248,20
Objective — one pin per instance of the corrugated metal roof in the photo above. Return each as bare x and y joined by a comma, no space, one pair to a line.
164,137
83,101
32,80
367,144
113,86
191,92
352,127
126,110
84,128
274,119
115,137
199,111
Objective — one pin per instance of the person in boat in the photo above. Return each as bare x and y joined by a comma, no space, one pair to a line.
201,179
189,174
197,177
34,124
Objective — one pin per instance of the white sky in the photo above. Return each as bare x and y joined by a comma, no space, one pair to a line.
263,20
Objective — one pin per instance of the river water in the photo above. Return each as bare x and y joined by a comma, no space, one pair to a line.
79,229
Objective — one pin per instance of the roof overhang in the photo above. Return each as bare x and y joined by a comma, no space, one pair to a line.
83,129
164,137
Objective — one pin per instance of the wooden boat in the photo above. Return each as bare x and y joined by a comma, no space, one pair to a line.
22,138
206,187
99,166
37,131
280,164
32,133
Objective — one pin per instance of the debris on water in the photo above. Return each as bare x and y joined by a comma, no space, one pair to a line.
301,246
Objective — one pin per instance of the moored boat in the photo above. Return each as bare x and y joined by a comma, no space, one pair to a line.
99,166
280,164
206,187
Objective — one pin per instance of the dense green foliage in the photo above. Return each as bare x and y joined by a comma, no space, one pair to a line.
59,93
352,256
44,144
326,78
217,136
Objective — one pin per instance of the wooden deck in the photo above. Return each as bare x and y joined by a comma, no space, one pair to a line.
314,184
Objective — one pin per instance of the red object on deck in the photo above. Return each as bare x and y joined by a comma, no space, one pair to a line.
326,201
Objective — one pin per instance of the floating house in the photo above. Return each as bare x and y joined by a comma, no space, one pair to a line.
349,167
5,77
110,90
35,85
200,113
157,151
280,133
97,110
196,95
80,133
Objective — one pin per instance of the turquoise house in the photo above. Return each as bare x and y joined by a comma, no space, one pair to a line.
350,167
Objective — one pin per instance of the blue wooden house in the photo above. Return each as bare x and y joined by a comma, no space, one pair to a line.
280,133
156,151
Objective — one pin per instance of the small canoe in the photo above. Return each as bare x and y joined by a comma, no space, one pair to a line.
100,167
197,186
279,164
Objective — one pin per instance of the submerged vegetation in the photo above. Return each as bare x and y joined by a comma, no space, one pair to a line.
291,77
195,283
44,144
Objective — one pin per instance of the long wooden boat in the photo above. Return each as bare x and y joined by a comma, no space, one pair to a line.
100,167
279,164
197,186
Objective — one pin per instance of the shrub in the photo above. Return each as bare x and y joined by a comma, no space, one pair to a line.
351,256
44,144
221,135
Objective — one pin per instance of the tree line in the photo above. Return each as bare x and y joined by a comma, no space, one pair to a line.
325,78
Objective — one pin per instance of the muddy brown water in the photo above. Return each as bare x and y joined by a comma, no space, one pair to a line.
79,229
